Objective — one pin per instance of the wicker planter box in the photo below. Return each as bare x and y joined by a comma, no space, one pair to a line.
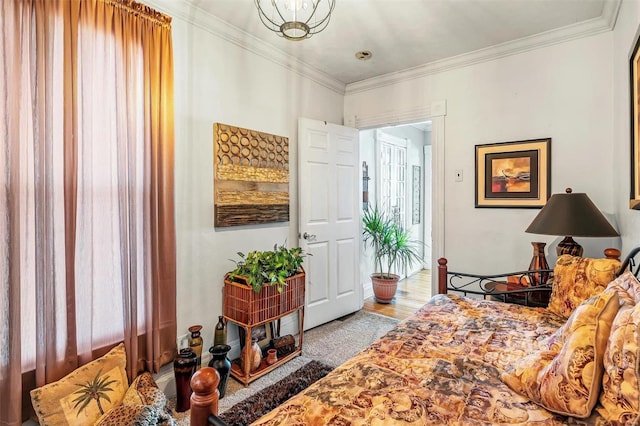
244,306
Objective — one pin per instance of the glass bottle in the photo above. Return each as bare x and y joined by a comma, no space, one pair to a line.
220,333
195,343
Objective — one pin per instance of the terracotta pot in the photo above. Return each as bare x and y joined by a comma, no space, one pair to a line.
384,289
272,356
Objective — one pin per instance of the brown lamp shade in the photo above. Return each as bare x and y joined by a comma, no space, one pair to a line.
571,215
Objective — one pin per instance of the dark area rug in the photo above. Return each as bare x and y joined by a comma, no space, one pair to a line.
256,406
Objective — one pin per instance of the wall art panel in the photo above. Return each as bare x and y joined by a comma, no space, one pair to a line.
251,176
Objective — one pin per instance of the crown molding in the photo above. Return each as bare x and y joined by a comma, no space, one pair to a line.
610,12
204,20
603,23
214,25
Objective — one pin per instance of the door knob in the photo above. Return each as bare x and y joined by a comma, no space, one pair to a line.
308,236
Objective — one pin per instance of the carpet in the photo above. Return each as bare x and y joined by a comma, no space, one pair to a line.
331,344
256,406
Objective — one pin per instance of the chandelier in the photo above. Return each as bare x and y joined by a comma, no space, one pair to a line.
295,19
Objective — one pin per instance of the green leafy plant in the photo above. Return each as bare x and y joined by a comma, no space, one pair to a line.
93,390
392,244
268,267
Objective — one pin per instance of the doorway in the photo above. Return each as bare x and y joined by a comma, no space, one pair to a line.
396,169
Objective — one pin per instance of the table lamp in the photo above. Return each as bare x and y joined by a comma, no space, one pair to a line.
571,215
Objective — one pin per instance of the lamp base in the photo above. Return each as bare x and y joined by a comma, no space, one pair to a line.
569,246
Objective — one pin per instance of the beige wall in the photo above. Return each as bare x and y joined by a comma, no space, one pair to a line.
562,91
575,92
217,81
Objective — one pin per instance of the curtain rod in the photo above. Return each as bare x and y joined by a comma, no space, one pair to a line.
142,10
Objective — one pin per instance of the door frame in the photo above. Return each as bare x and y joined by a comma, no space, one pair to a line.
436,113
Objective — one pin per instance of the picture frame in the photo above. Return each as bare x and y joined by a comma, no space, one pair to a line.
264,333
634,87
417,191
513,174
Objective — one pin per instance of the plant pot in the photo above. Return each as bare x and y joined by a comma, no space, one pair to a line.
384,288
244,306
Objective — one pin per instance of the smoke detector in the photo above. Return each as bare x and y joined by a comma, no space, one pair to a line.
364,55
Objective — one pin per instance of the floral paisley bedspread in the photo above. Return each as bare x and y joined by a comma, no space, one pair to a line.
439,367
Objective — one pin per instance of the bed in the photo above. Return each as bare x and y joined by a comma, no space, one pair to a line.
463,359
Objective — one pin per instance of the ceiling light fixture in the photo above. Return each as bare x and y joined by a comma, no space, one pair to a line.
295,19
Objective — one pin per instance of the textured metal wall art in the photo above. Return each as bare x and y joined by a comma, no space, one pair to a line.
251,176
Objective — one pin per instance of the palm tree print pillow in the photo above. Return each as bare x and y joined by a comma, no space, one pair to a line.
84,395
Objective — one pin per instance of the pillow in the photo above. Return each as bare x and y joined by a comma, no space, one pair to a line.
144,390
138,415
628,288
565,375
620,397
575,279
143,404
69,402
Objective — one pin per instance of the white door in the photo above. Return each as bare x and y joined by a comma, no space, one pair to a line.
329,226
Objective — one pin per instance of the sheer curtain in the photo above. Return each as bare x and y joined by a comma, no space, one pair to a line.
87,238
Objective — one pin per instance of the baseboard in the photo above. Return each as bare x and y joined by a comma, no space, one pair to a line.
367,290
166,380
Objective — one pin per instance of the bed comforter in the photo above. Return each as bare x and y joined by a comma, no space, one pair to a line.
441,366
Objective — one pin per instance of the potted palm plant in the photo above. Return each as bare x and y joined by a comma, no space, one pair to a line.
393,248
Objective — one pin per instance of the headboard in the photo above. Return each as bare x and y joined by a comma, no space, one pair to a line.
506,286
631,262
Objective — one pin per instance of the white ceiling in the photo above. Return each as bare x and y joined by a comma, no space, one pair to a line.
403,34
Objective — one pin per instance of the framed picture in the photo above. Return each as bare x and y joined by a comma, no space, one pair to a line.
513,174
634,64
264,334
417,190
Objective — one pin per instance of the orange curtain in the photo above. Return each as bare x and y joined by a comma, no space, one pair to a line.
87,229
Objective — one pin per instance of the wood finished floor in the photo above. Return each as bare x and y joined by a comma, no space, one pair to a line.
412,293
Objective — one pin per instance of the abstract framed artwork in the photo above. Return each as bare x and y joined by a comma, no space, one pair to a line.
634,75
251,176
513,174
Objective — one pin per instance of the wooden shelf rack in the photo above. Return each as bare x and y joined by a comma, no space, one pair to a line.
248,309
